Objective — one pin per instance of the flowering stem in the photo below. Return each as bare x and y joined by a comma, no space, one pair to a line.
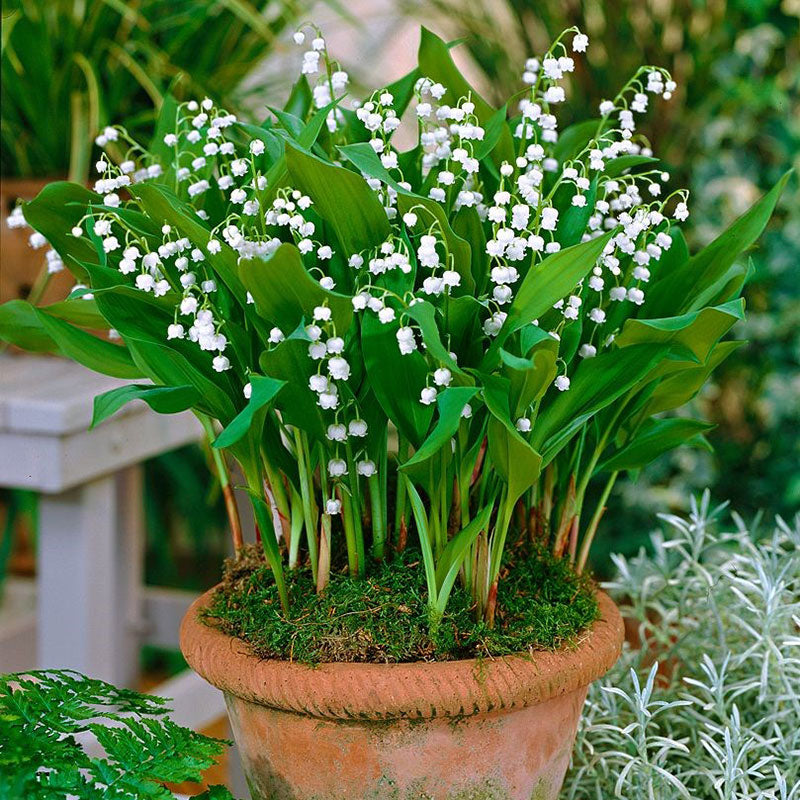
306,493
400,503
588,537
378,518
224,477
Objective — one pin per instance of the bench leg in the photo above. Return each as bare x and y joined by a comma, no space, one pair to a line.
90,563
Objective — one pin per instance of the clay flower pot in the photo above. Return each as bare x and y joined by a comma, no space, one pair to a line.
20,265
486,729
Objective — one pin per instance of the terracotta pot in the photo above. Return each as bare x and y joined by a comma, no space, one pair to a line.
459,730
20,265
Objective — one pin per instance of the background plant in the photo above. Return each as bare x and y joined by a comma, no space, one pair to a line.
47,716
521,306
737,65
69,69
704,703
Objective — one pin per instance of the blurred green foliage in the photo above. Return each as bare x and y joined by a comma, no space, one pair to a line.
732,128
70,68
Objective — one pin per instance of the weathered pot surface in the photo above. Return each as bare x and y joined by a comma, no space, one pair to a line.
490,729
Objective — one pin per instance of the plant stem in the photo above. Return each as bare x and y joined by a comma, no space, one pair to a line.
400,497
296,528
378,517
324,571
594,522
306,493
223,475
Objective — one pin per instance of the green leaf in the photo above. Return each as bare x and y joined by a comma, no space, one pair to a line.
396,379
494,127
424,314
450,403
620,164
516,461
418,509
94,353
285,293
300,98
682,384
574,219
657,436
574,138
80,312
697,331
54,212
251,417
529,377
21,326
342,198
597,383
436,63
693,284
162,399
163,364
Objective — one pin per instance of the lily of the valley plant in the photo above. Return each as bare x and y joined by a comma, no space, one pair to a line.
454,340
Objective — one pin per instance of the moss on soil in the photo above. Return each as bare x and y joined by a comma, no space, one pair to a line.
542,605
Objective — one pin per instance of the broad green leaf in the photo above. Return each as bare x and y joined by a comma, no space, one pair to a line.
657,436
96,354
597,383
54,212
693,284
164,365
300,98
516,461
424,314
467,225
682,385
162,399
264,391
617,166
450,403
80,312
278,173
285,293
574,219
20,325
436,63
342,198
574,138
697,331
396,379
529,378
494,128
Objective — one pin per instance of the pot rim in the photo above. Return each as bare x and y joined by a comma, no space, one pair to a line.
414,690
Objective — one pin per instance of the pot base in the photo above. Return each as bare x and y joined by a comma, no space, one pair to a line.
521,755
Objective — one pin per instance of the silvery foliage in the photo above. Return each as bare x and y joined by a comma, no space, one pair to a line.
709,706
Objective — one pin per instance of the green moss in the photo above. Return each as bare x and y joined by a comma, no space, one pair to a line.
542,604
